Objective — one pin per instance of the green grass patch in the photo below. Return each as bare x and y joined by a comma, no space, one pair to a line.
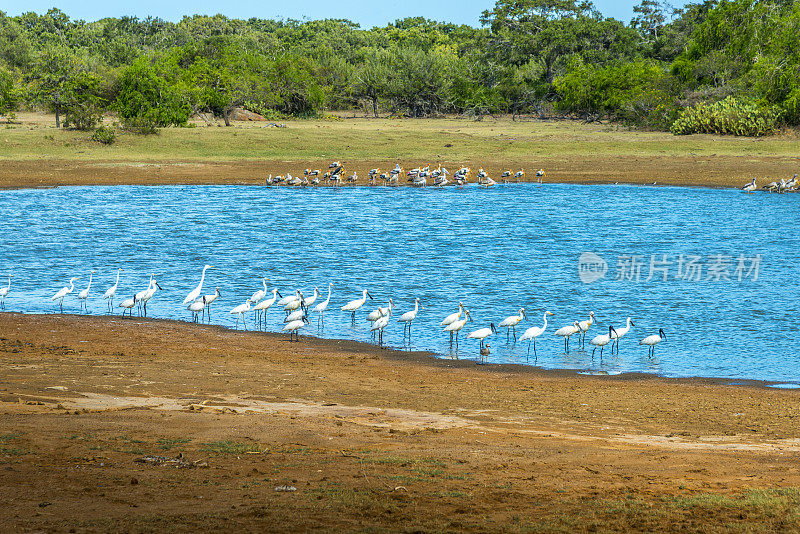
230,447
166,444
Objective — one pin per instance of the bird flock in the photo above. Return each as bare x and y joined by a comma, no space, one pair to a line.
781,186
297,307
336,176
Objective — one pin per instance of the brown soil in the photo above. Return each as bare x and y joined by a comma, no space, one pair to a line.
369,439
711,171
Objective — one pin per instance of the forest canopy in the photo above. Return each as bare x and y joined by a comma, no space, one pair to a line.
730,66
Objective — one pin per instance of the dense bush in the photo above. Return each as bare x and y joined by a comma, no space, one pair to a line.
105,135
727,117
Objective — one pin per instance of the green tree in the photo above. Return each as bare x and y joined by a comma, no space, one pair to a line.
146,100
9,93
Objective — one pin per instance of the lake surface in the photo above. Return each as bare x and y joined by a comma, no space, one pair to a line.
497,250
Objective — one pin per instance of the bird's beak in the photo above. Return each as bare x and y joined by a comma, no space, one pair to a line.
158,286
633,324
370,296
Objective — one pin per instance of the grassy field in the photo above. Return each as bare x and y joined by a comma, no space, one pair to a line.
567,150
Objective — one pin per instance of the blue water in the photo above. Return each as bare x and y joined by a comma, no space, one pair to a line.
496,250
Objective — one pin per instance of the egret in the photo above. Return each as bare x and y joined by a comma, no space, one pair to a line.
619,332
533,332
749,188
510,323
457,325
264,305
453,317
408,317
380,324
261,293
239,311
652,341
196,292
602,340
128,304
83,295
4,291
312,299
293,327
111,291
209,299
322,306
584,326
140,295
64,291
197,307
482,333
376,314
566,332
149,294
355,305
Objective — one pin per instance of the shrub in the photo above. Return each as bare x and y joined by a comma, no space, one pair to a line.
104,135
728,117
141,125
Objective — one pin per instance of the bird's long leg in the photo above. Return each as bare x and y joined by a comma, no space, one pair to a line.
515,333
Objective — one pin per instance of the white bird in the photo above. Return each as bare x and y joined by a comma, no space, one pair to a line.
376,314
652,341
261,293
482,333
83,295
63,292
293,327
453,316
209,299
566,332
585,325
380,324
408,317
295,316
457,325
149,294
619,332
197,307
128,304
322,306
240,310
602,340
510,323
355,305
112,291
533,332
287,299
196,292
140,294
295,304
749,188
266,304
4,292
312,299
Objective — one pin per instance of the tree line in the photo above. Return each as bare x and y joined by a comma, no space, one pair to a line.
723,66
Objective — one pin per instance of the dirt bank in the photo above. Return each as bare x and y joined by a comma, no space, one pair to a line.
336,436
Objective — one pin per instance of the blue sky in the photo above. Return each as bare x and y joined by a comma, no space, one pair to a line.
368,13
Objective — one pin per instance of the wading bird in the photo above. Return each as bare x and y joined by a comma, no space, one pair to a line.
262,307
149,294
128,304
379,325
584,326
379,312
140,294
533,332
111,291
295,304
566,332
63,292
457,325
510,323
408,317
239,311
602,340
652,341
196,292
209,299
482,333
749,188
4,292
619,332
312,299
293,328
485,353
355,305
322,306
197,307
83,295
261,293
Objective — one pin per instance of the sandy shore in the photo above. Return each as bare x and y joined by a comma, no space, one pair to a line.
362,438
